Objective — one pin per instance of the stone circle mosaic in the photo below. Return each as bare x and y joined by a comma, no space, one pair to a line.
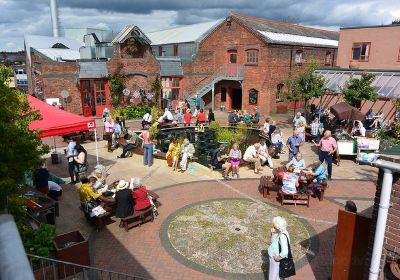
230,235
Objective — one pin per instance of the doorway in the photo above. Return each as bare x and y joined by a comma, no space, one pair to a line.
236,98
94,97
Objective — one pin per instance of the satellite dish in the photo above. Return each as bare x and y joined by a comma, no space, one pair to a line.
64,93
126,92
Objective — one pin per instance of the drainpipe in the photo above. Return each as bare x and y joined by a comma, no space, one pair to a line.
384,204
212,97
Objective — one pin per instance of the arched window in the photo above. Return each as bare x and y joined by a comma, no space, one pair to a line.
298,58
278,95
328,58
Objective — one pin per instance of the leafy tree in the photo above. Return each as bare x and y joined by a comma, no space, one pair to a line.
396,21
156,89
116,87
356,90
305,85
20,148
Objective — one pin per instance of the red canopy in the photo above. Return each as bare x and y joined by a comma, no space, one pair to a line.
56,121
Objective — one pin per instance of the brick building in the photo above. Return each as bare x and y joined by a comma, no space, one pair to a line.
242,62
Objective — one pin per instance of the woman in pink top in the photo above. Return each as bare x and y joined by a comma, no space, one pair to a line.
147,148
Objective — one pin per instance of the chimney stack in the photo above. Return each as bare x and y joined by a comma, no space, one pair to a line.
54,18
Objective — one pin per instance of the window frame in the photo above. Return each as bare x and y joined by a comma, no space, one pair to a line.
328,54
366,56
171,87
279,91
256,56
301,53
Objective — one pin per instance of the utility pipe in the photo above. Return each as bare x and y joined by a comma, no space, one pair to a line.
54,18
384,204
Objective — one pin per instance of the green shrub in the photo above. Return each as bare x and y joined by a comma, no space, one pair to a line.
130,112
39,242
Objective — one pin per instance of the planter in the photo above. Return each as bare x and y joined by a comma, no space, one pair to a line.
71,247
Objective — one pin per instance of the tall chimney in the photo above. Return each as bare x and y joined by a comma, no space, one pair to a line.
54,18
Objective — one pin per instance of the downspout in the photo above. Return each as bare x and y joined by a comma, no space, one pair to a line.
290,74
384,204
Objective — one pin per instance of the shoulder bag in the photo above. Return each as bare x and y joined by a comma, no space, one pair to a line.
286,265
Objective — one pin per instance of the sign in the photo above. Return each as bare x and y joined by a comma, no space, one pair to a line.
253,96
90,125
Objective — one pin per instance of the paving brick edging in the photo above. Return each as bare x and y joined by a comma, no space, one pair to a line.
163,234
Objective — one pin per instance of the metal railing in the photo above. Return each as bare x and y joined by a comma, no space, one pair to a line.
51,269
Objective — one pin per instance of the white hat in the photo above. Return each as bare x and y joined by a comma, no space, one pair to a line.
122,185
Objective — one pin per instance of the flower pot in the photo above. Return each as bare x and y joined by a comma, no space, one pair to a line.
71,247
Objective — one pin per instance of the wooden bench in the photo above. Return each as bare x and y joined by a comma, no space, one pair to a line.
265,185
138,218
298,198
321,190
98,221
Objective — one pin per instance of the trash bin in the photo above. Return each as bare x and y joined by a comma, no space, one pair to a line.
55,158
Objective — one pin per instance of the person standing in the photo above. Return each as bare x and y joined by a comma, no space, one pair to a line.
279,238
108,130
201,117
71,153
187,117
117,132
327,149
147,148
299,118
293,143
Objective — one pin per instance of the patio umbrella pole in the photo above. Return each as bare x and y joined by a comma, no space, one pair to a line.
55,148
97,148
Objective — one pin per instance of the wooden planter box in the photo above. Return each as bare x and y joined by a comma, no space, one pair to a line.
71,247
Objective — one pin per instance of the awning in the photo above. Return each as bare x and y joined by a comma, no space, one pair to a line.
88,70
386,83
343,111
55,121
170,66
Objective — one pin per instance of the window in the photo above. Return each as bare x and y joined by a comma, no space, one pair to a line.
171,88
328,58
253,96
175,50
100,93
223,94
361,51
298,58
232,57
252,56
160,51
279,90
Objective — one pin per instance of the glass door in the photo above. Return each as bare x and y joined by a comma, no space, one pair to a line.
101,97
88,102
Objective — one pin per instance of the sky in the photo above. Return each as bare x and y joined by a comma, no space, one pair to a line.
20,17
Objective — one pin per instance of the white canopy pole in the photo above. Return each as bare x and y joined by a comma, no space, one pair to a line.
97,148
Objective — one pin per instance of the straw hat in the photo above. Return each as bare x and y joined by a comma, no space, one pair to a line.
122,185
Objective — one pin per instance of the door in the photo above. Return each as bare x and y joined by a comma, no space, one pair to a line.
88,99
232,63
101,97
236,98
352,236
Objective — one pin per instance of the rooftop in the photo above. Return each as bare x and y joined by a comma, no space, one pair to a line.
370,26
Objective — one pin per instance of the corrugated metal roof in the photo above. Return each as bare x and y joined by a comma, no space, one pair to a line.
170,66
189,33
284,38
46,42
92,70
60,54
387,84
131,30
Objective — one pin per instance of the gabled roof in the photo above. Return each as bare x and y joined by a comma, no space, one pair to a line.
288,33
183,34
44,44
131,31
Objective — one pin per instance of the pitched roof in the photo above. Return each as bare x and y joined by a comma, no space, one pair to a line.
131,31
183,34
289,33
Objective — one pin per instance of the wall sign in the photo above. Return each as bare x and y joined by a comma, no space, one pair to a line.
253,96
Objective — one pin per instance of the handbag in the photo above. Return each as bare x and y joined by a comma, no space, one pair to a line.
286,265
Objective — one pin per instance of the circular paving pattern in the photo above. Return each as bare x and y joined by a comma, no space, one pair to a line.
230,235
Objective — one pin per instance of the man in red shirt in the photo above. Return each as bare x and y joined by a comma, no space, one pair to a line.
327,149
201,117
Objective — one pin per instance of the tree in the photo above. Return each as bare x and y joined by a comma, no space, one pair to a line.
20,148
305,85
356,90
116,87
396,21
156,89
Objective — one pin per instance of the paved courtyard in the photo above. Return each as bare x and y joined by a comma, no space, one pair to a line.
164,249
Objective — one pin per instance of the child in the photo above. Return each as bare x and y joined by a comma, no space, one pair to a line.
179,116
187,117
235,156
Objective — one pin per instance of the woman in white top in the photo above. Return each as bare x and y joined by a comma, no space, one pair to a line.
358,129
264,155
279,235
146,120
266,126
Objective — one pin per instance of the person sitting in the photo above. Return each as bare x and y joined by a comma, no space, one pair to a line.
272,128
256,116
378,120
167,117
297,162
100,186
369,118
211,117
290,181
122,121
187,117
319,173
123,200
265,128
358,129
219,162
251,155
130,144
264,155
172,155
146,120
55,190
246,117
88,198
201,117
233,118
235,156
41,179
140,195
187,151
276,139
